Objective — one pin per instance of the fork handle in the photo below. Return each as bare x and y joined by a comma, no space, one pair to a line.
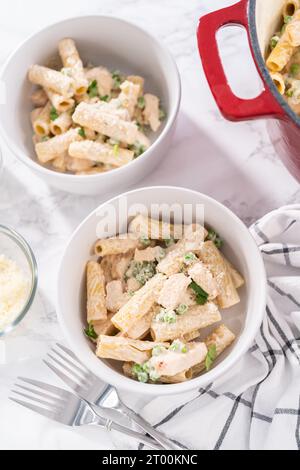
166,443
148,441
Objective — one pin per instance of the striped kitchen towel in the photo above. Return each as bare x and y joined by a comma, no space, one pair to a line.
257,404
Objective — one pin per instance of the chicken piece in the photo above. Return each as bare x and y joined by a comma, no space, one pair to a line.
204,278
149,254
115,297
173,291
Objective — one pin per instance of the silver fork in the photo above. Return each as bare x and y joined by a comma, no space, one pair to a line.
66,408
86,385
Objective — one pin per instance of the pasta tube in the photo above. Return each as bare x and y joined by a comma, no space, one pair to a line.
197,317
278,82
61,103
105,327
91,116
155,229
290,7
41,121
103,78
213,259
39,98
62,124
72,62
281,54
141,328
96,296
117,245
292,31
56,146
236,277
222,338
101,153
52,80
125,349
139,304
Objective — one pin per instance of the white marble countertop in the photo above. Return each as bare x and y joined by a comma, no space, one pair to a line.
235,163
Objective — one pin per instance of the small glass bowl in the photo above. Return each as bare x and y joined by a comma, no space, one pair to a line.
17,249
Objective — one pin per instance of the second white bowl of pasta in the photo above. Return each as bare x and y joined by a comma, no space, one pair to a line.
161,297
86,108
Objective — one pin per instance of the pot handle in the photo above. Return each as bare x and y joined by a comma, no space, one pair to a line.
232,107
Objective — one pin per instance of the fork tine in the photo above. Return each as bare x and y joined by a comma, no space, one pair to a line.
59,392
75,358
36,409
73,385
39,393
70,353
35,399
70,363
76,378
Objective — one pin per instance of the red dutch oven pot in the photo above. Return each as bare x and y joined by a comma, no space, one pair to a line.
284,128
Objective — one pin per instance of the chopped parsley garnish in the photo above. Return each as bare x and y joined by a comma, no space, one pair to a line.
53,114
289,93
189,258
141,102
116,150
138,149
81,132
274,41
104,98
201,295
214,237
162,114
182,309
90,332
211,356
45,138
117,79
145,240
93,89
294,69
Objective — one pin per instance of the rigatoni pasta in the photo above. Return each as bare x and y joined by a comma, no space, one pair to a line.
283,60
111,113
153,319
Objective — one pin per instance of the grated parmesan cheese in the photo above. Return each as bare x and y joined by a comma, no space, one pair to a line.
14,291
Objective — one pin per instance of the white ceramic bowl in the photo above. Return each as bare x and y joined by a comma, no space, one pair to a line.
244,319
101,40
